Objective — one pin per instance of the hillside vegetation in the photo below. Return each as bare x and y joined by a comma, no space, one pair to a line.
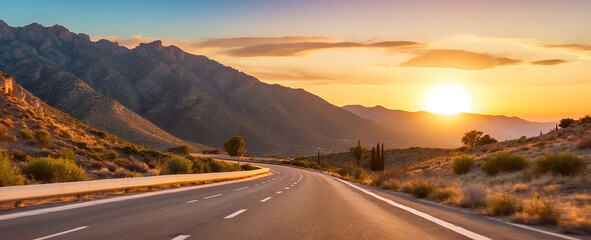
39,144
539,180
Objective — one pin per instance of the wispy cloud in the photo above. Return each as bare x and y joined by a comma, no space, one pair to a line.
299,48
458,59
250,41
549,62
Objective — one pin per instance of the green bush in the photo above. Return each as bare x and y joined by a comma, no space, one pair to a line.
110,155
44,139
220,166
324,165
503,162
462,164
314,165
9,175
422,188
151,152
26,133
131,149
300,163
66,153
81,144
248,167
360,174
565,164
180,149
502,204
54,170
347,170
176,165
566,122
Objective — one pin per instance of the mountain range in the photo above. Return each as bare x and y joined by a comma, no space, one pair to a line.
160,96
435,130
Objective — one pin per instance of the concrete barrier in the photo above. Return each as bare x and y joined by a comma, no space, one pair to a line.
13,193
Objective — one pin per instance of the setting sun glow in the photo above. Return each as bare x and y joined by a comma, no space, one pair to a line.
447,99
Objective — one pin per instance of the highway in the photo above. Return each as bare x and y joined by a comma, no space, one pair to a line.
288,203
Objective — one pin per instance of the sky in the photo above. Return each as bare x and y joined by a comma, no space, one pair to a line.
530,59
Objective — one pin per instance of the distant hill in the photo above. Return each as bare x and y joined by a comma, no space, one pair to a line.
116,89
434,130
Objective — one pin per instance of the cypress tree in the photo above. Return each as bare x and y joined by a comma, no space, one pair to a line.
383,159
372,162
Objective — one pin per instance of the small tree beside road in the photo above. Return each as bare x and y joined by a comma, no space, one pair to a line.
235,147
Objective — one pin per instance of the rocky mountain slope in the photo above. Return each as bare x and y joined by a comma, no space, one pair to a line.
436,130
29,128
191,97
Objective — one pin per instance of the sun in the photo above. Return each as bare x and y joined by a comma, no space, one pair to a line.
447,99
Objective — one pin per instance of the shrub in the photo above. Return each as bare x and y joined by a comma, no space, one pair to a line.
66,153
565,164
300,162
538,211
502,204
220,166
99,133
180,149
248,167
585,119
474,196
44,139
176,165
360,174
9,175
503,162
486,139
421,188
462,164
151,152
26,133
81,144
52,170
131,149
324,165
566,122
584,143
314,165
347,170
111,155
136,166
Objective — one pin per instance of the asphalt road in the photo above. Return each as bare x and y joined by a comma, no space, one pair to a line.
289,203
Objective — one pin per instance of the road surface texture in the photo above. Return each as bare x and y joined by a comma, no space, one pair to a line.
288,203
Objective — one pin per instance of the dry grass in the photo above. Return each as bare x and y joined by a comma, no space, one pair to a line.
473,196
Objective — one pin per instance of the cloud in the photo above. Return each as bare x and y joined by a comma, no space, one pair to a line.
580,47
250,41
457,59
548,62
299,48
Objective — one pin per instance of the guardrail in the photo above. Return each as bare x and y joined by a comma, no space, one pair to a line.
13,193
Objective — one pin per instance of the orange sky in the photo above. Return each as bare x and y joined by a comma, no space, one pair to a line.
527,58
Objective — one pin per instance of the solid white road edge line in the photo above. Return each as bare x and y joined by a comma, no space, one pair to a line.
266,199
118,199
61,233
235,214
191,201
181,237
435,220
212,196
242,188
538,230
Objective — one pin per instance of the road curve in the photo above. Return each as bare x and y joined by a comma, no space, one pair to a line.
289,203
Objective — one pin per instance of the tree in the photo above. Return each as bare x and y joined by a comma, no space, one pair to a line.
235,147
486,139
566,122
585,119
357,152
471,138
